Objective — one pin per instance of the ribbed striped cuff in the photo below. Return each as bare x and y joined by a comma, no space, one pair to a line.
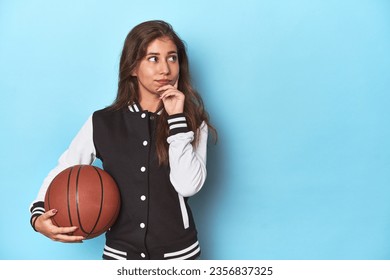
177,124
36,210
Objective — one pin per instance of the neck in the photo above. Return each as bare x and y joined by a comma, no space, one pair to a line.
150,103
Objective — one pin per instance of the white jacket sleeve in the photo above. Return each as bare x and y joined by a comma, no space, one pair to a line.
187,163
80,151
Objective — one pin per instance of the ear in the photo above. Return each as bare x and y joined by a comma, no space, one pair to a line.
134,72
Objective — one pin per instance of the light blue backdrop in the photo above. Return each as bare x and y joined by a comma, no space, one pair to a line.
299,91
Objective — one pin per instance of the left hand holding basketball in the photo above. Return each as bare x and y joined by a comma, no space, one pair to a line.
172,98
44,225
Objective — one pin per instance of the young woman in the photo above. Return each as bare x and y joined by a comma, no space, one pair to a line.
153,141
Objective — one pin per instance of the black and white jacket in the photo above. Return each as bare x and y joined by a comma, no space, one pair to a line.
155,221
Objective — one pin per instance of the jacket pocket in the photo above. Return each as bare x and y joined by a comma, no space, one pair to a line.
184,212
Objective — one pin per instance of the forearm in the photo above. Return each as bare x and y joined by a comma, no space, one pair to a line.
187,164
80,151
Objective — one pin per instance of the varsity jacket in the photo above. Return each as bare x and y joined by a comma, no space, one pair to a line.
155,221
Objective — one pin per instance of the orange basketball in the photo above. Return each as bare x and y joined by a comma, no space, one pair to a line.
85,196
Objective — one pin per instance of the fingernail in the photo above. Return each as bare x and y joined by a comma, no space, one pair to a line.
55,211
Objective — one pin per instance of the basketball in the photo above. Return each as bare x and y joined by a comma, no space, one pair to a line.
85,196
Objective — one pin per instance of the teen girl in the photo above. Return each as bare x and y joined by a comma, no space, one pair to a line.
153,141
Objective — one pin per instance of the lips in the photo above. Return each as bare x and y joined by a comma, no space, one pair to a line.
163,82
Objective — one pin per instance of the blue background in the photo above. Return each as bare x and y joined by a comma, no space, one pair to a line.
299,92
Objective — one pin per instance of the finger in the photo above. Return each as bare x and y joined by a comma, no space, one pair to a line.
64,230
69,238
165,92
64,234
166,87
169,94
51,212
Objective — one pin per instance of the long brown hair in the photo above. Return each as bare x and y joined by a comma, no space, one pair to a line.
134,49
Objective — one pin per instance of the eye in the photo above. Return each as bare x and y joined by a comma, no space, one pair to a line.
172,58
152,59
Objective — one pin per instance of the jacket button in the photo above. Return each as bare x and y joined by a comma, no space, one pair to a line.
143,255
143,169
143,115
145,143
142,225
143,198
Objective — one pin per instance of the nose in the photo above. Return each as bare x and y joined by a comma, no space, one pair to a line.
164,67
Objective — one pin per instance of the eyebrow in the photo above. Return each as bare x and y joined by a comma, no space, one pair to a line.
156,53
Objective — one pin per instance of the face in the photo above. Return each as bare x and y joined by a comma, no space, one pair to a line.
159,67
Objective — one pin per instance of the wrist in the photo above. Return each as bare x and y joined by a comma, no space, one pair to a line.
33,220
177,123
